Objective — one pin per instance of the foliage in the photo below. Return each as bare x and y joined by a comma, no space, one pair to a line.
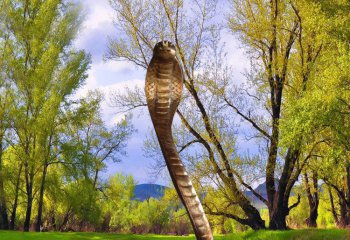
44,154
295,101
295,96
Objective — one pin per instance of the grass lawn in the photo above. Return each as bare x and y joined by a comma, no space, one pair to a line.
331,234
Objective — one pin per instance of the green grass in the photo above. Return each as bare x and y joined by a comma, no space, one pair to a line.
330,234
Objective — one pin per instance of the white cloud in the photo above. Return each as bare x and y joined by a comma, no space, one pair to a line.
110,75
99,11
115,76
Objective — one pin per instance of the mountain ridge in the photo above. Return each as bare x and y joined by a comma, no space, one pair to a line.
143,192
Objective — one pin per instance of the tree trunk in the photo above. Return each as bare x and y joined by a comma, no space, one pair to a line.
347,193
254,219
311,221
26,225
67,215
41,200
334,212
95,178
4,223
279,199
278,218
29,188
106,222
313,199
15,204
344,220
3,209
278,221
52,220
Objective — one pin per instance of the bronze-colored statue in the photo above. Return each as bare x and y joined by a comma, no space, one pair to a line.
164,82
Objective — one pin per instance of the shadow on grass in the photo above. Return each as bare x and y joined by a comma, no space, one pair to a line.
306,234
15,235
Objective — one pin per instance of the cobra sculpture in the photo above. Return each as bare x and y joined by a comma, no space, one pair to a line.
164,82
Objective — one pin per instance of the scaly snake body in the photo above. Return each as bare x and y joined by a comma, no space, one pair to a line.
164,82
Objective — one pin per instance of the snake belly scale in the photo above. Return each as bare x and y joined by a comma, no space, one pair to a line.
164,83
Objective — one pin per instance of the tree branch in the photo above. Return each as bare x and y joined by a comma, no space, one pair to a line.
340,192
295,204
225,214
189,144
263,132
261,198
217,169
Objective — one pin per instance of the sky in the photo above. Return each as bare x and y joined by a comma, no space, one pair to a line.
109,76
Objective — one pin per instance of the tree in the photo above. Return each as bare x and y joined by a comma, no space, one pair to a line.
5,101
13,183
286,50
88,144
312,192
191,35
44,70
40,71
118,193
289,43
328,103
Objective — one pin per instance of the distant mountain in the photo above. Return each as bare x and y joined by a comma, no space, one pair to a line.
261,189
143,192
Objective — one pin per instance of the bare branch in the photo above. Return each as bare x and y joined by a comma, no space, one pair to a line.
225,214
188,144
261,198
263,132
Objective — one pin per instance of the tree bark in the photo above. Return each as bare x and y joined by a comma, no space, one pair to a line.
347,194
313,199
29,187
15,204
41,199
26,225
279,205
95,178
4,223
67,215
344,216
278,219
106,222
334,212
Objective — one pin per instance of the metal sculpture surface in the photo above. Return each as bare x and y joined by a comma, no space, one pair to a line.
164,82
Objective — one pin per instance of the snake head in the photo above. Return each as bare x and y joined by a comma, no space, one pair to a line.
164,50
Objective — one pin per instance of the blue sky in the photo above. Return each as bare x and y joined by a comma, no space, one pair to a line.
114,76
108,76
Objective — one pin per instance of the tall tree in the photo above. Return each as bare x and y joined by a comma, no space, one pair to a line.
45,70
14,184
191,36
5,100
287,42
89,143
285,50
312,193
328,104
